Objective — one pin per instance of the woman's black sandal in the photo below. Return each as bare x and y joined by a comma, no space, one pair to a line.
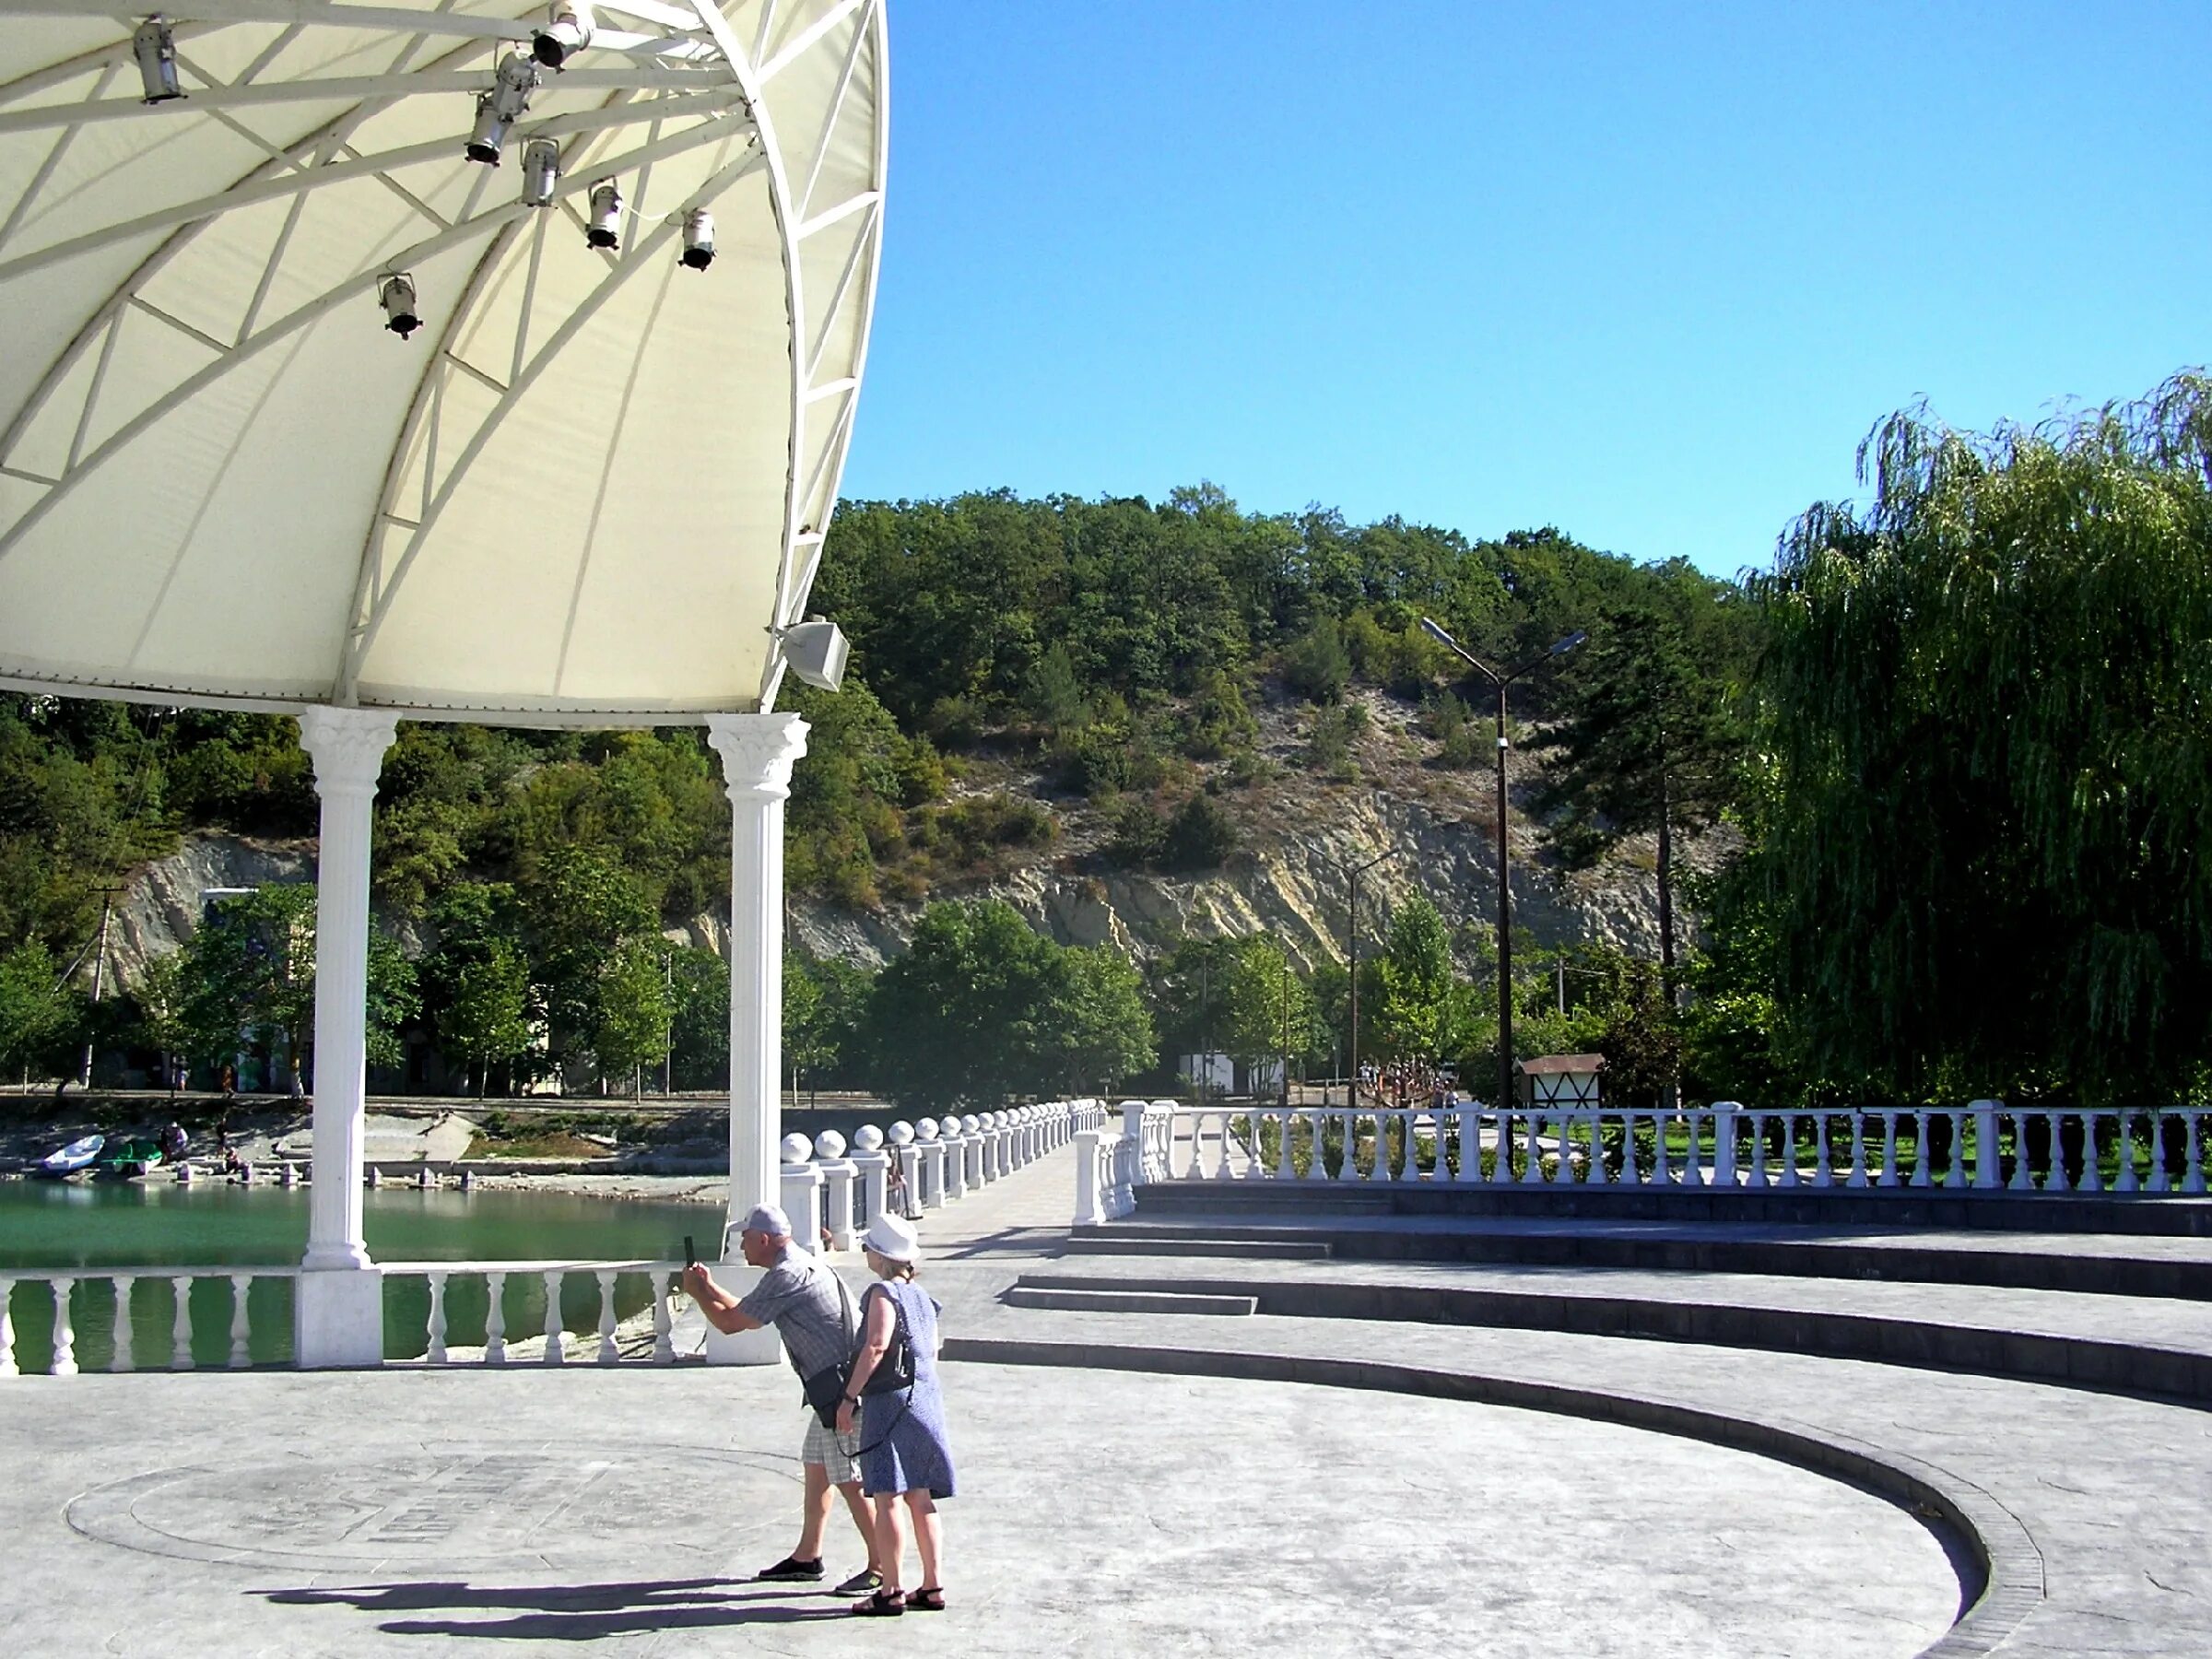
884,1603
925,1601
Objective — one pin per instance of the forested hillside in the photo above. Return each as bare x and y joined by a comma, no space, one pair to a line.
1958,739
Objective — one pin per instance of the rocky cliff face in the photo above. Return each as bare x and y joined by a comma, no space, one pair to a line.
161,906
1290,883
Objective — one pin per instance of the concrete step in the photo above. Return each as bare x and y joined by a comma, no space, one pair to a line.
2075,1341
1200,1244
1957,1209
2017,1261
1087,1298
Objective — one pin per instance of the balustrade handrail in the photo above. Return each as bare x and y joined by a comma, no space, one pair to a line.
937,1161
1986,1145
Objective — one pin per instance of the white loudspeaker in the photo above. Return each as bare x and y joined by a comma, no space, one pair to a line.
816,651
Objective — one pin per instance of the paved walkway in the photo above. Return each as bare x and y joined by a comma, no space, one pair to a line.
1141,1483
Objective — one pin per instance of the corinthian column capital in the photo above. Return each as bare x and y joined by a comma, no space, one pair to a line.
347,746
757,753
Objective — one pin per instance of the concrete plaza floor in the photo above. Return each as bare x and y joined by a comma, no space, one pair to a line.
1315,1484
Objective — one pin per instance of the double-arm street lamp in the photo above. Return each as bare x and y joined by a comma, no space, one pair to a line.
1505,935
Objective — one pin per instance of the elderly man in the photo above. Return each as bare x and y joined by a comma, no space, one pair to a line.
802,1297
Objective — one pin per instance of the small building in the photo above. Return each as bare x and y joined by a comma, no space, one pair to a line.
1562,1080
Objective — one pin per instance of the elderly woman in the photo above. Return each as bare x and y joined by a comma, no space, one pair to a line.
903,1448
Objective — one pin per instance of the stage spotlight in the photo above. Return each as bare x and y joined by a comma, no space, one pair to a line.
567,32
499,109
154,47
396,294
541,170
699,238
607,216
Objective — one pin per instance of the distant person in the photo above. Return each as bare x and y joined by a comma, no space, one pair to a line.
813,1314
904,1452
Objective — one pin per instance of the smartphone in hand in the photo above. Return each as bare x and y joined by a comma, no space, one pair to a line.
691,1253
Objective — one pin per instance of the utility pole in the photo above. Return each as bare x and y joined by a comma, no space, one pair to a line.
1505,902
99,979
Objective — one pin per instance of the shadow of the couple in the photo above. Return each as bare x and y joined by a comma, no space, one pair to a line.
571,1612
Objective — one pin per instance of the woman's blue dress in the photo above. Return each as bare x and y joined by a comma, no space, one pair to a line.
903,1445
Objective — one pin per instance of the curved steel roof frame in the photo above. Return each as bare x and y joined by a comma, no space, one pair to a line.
591,490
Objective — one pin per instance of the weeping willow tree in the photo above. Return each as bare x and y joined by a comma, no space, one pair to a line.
1986,702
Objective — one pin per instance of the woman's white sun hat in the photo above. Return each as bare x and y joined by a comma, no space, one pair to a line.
893,1239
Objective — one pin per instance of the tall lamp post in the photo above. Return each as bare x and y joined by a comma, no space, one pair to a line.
1505,926
1351,952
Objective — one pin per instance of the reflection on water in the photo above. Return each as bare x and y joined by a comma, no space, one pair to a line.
60,1226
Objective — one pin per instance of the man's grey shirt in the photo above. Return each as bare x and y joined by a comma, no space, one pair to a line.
800,1297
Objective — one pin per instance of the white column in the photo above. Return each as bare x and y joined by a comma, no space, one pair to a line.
338,1305
757,753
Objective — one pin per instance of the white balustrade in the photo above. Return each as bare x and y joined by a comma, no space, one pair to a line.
608,1353
241,1321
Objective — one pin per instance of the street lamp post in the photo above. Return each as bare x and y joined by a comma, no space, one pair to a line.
1505,932
1351,952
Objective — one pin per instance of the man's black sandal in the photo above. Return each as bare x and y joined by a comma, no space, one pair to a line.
791,1570
925,1601
884,1603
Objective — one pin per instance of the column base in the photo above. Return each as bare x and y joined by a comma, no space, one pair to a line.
339,1319
743,1348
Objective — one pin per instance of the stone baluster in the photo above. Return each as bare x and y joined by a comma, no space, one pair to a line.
434,1354
1823,1172
1920,1150
1759,1150
65,1333
1384,1168
837,1173
874,1167
8,1329
608,1354
952,1135
2162,1179
1661,1174
1985,1143
557,1347
2125,1179
1532,1158
1888,1149
241,1321
1002,1137
1470,1143
1693,1160
1410,1169
2054,1179
2023,1177
495,1319
800,1185
2194,1181
2092,1164
662,1286
1789,1149
1857,1178
933,1153
180,1324
120,1358
928,1195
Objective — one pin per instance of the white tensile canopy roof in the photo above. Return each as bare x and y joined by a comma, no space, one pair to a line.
592,485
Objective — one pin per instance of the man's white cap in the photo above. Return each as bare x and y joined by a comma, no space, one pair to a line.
770,1220
893,1239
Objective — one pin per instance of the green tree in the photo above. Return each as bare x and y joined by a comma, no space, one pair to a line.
1269,1011
701,1029
632,1012
1647,745
486,1019
34,1010
1097,1030
963,1017
580,911
1987,780
1421,1007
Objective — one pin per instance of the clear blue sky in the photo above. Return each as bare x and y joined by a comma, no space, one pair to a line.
1645,273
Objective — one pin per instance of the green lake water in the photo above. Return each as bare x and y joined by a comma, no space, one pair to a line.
48,1226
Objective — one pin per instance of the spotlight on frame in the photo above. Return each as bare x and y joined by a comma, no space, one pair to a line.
154,47
605,227
396,295
568,31
499,109
699,238
541,170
